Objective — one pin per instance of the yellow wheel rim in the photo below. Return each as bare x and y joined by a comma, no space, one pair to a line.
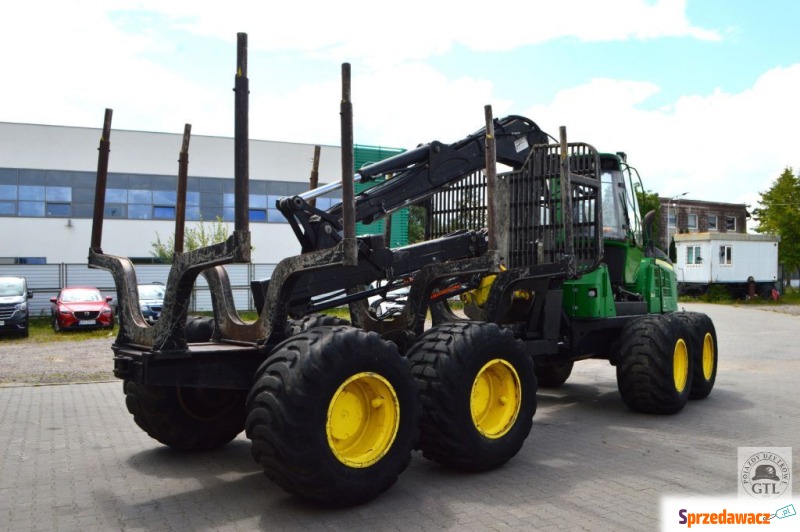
363,419
680,365
708,356
496,398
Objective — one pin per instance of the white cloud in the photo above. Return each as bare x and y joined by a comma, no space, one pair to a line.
361,31
720,146
398,107
81,58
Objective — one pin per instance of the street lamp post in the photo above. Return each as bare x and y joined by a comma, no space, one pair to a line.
672,202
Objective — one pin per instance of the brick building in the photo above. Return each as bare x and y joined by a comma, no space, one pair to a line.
679,215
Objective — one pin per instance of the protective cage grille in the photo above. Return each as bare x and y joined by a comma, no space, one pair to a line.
535,226
460,206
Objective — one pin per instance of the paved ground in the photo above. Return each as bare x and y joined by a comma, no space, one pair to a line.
71,457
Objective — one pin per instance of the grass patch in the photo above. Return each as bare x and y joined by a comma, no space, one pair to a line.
40,330
719,294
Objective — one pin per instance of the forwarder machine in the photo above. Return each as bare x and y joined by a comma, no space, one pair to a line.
565,271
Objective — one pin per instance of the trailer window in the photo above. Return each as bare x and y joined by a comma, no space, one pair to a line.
725,255
693,255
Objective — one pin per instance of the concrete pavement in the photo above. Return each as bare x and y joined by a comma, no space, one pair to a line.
71,457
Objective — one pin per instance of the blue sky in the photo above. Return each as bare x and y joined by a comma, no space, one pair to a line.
702,94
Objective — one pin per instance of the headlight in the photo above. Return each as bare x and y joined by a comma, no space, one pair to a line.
64,310
106,311
20,307
145,308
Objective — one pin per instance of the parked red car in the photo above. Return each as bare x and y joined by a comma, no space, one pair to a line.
81,307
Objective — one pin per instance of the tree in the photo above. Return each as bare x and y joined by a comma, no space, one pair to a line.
194,237
416,224
648,201
779,214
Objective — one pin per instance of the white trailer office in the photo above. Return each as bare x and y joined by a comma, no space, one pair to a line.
740,262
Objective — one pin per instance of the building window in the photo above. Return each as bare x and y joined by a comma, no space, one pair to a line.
31,193
712,222
258,215
8,192
671,219
8,208
275,216
140,196
31,208
693,255
116,195
691,222
165,197
730,223
140,212
725,255
59,209
193,213
58,194
258,201
161,212
115,211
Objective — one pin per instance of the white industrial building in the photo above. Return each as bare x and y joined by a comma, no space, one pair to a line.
47,180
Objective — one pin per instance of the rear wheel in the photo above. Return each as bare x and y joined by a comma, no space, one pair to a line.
553,375
703,347
189,419
654,373
478,392
333,415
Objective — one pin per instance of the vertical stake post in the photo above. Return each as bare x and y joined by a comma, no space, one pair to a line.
566,194
313,180
348,187
180,205
100,184
241,138
491,176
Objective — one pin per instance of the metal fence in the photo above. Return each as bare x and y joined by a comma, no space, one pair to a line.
46,280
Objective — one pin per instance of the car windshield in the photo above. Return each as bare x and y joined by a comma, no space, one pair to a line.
11,287
151,292
74,296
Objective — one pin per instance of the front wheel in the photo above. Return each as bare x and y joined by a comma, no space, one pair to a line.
333,415
479,394
654,373
703,347
188,419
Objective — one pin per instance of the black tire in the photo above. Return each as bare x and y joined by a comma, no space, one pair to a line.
199,329
654,373
553,375
452,363
704,350
188,419
56,326
309,385
305,323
